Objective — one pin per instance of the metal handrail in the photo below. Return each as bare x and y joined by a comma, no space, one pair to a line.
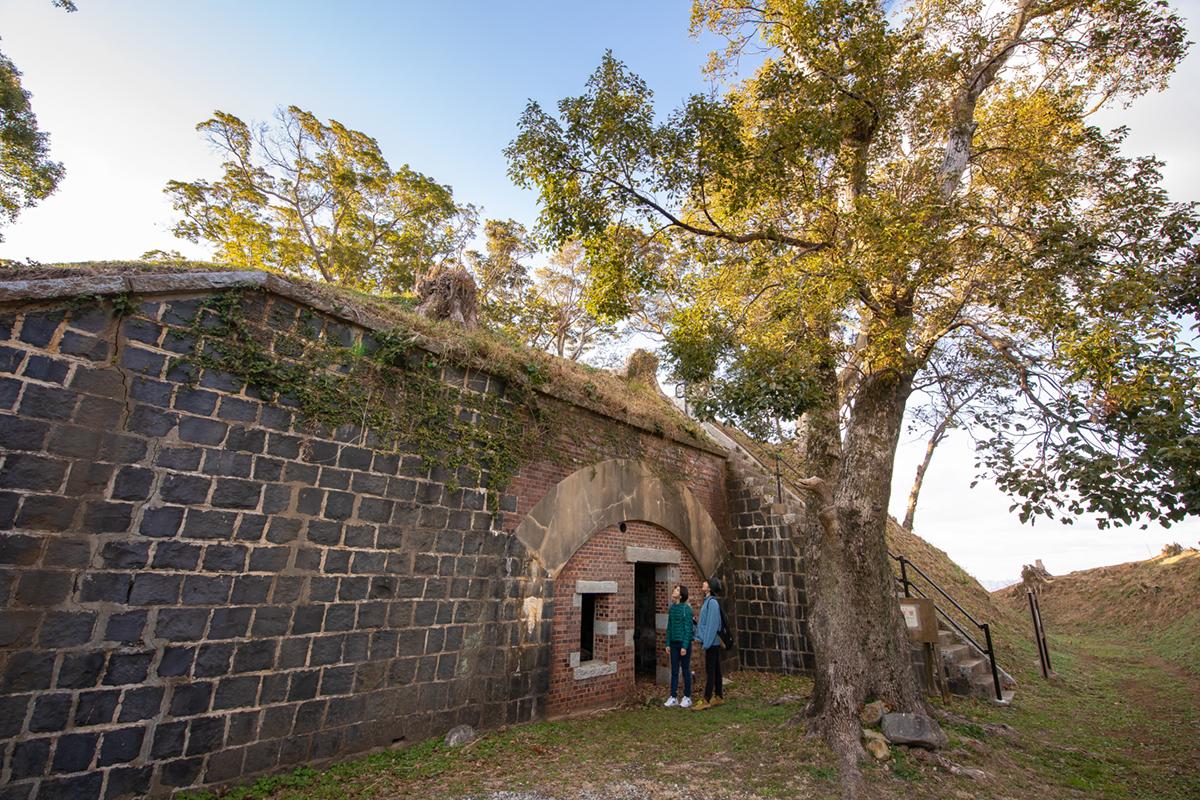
989,650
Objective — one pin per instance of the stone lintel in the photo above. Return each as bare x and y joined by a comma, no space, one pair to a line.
650,555
595,587
595,669
660,621
606,628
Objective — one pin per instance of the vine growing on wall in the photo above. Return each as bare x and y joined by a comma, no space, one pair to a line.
385,385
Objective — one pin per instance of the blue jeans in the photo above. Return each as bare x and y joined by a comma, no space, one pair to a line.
679,662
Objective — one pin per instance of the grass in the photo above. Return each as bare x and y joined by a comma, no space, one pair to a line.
1115,724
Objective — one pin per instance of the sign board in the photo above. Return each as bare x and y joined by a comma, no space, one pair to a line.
920,619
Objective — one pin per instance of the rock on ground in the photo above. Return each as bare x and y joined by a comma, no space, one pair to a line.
916,730
460,735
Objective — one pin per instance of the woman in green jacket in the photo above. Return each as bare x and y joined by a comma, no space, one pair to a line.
679,646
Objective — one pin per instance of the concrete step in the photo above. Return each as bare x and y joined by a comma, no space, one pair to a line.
953,653
947,638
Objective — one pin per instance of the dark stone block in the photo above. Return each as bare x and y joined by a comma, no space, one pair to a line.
141,360
155,590
76,787
90,347
120,746
176,661
320,452
100,413
337,561
176,555
184,489
374,509
179,458
209,524
227,463
283,446
44,587
34,473
88,478
67,629
308,619
326,650
308,559
361,536
212,660
125,554
18,433
142,330
205,735
337,680
168,740
195,401
229,623
141,703
269,559
248,440
38,328
309,501
151,421
10,358
161,522
181,772
181,624
272,621
128,782
368,563
151,392
132,483
267,469
233,493
80,670
324,533
243,728
353,588
50,713
202,431
255,656
75,442
44,512
334,478
238,692
340,617
120,448
19,550
355,458
126,668
206,590
251,528
276,499
224,558
48,402
96,708
237,410
251,589
190,699
287,589
74,752
9,389
29,758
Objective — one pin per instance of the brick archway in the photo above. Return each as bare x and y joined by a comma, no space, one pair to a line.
606,494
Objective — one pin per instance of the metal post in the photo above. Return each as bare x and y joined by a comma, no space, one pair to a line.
778,481
904,575
1037,634
987,636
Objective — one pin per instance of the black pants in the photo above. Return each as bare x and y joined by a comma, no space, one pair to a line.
712,672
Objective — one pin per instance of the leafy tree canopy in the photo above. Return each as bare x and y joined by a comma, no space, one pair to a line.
887,187
309,197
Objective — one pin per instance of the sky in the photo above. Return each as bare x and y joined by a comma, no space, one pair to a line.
121,84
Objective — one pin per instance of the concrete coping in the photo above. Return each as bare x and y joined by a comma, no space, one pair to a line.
596,587
41,289
650,555
594,669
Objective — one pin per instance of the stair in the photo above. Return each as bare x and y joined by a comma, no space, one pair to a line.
968,672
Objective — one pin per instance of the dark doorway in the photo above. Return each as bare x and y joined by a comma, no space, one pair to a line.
645,633
587,628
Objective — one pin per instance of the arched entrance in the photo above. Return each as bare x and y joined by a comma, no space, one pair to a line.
615,538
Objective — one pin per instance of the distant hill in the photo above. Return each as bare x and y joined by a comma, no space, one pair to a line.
994,585
1156,602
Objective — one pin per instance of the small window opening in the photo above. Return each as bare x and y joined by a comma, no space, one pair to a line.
587,628
622,527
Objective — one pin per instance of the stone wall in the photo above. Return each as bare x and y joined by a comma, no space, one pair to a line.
768,581
197,586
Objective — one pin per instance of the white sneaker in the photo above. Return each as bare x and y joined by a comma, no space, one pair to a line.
687,702
671,702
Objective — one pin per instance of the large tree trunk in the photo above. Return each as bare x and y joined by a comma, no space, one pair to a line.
858,636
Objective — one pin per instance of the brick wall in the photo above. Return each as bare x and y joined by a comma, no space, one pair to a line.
197,588
603,559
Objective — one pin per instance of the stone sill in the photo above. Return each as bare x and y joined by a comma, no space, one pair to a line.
594,669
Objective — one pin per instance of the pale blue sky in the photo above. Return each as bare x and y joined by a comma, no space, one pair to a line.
121,84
